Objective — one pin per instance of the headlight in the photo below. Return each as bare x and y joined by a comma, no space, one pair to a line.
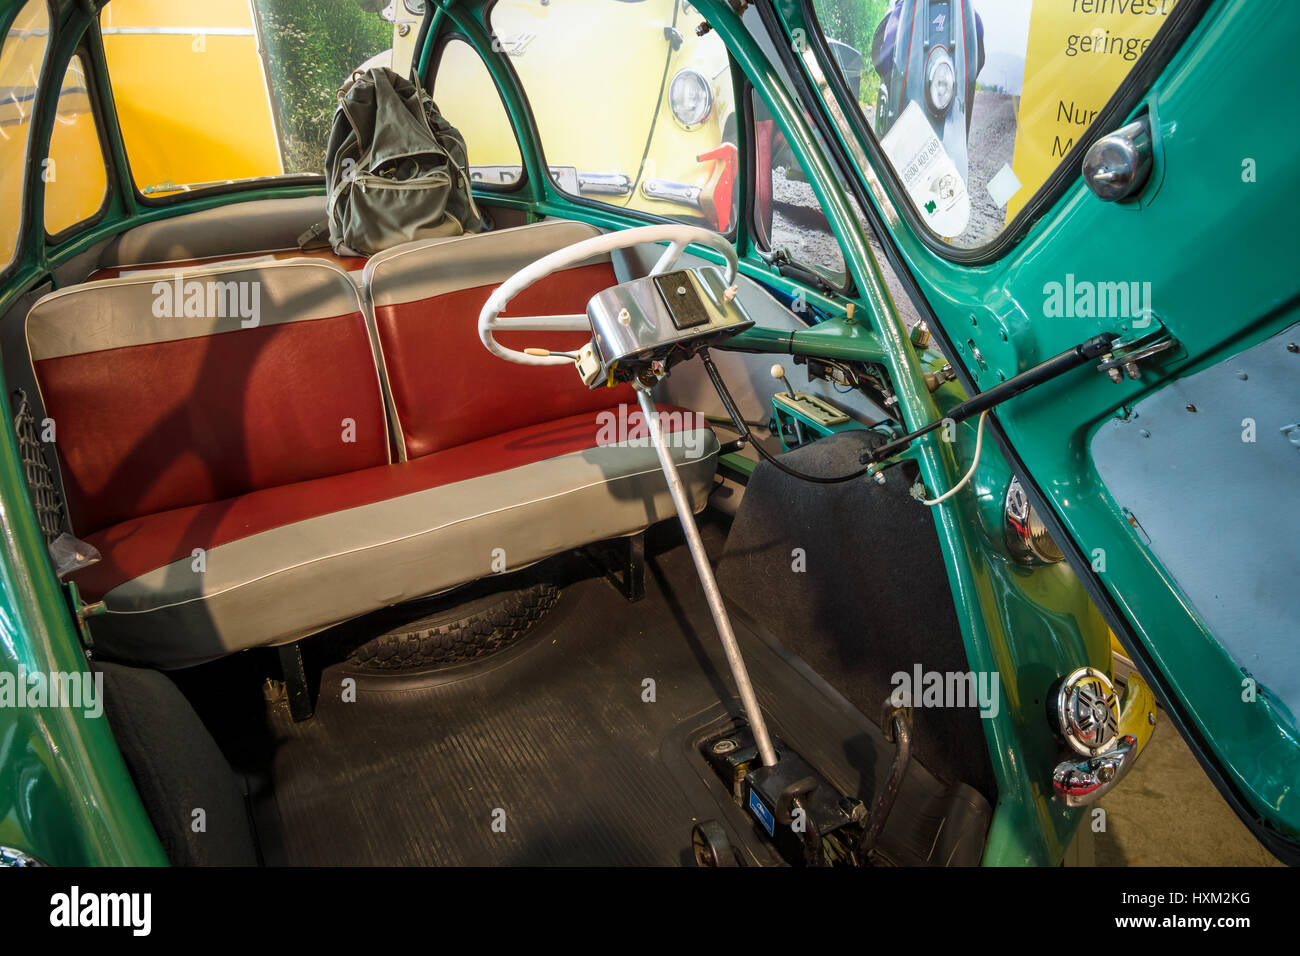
414,7
1027,537
940,78
691,99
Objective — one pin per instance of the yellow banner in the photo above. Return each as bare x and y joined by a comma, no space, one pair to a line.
1078,55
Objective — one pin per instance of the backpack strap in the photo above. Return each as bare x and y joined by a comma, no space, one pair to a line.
317,236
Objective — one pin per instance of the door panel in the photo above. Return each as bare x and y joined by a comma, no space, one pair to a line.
1185,533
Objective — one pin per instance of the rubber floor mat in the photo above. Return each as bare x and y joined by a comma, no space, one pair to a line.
573,748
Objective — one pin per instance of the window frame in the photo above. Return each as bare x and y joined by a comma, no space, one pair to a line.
110,172
1126,98
762,243
440,43
25,215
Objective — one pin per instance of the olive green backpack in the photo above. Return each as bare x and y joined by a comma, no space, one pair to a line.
395,170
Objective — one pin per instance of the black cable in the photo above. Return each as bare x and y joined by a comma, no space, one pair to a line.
729,403
728,423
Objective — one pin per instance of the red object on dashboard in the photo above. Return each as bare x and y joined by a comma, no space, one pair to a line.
716,198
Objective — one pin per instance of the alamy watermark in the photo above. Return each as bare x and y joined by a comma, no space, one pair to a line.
178,298
1084,299
74,690
628,426
945,689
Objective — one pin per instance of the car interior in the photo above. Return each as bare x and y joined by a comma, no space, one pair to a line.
369,594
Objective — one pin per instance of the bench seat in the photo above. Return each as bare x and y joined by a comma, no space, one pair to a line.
318,448
286,561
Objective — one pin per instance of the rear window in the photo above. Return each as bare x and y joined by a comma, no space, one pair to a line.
21,60
213,91
633,106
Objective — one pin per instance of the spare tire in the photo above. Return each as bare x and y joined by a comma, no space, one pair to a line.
455,633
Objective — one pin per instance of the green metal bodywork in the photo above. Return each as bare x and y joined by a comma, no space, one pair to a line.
65,792
1217,296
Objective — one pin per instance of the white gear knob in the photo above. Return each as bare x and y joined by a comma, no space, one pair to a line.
778,373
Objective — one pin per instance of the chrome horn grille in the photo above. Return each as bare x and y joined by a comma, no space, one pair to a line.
1087,711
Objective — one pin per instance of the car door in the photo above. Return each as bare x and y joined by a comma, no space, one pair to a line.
1125,175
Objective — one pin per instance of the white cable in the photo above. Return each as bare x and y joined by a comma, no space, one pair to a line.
979,445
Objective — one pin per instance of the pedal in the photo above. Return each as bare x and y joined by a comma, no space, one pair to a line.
710,846
807,819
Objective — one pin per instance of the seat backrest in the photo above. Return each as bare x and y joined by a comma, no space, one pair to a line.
168,390
446,389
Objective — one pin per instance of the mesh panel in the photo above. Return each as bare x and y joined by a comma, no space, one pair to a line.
40,480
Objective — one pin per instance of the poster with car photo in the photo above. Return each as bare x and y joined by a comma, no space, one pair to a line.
976,102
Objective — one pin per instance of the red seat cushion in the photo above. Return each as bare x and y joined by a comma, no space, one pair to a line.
448,389
143,544
158,408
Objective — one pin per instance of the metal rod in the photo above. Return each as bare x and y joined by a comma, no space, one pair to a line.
983,401
885,801
720,619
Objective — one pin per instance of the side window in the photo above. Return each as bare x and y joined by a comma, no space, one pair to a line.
977,102
633,107
467,96
21,60
789,221
209,91
76,179
406,16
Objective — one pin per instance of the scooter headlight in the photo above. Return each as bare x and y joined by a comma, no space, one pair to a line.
1027,537
940,79
691,99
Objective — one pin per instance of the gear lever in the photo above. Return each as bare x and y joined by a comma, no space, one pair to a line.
778,373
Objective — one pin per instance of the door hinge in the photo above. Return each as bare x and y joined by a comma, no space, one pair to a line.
1127,355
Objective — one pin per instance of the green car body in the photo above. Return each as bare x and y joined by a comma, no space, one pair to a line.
67,798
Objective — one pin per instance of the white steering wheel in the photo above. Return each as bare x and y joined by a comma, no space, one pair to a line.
490,319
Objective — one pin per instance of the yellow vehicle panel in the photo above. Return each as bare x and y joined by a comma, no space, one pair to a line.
562,94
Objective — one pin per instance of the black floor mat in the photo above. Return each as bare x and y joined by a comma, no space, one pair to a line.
548,753
873,598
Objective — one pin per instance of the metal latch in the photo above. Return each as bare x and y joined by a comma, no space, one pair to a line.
1126,356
